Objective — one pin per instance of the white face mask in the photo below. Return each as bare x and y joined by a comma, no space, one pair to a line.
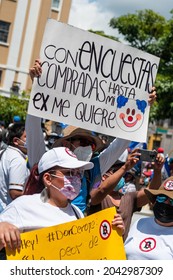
72,186
24,144
83,153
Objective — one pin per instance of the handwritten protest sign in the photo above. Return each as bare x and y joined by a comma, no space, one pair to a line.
93,82
90,238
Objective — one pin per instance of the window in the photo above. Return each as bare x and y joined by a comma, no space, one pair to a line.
4,30
15,88
55,4
168,136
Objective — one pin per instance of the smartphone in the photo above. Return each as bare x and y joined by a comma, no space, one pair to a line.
147,155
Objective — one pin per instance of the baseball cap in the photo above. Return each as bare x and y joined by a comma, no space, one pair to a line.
147,173
160,150
166,188
16,119
63,157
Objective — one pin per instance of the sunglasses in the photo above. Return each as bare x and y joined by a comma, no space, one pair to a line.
70,172
162,198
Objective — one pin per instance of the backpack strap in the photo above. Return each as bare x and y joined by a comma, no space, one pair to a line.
2,153
75,211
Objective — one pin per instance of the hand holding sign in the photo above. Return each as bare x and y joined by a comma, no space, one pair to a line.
84,78
90,238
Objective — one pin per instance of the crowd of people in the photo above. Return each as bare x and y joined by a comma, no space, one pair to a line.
76,176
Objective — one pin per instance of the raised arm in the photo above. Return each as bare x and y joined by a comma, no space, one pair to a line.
116,148
36,70
107,186
155,182
35,138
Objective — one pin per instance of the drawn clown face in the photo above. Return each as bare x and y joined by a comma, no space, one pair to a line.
130,113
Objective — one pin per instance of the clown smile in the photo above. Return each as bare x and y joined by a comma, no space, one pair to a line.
129,124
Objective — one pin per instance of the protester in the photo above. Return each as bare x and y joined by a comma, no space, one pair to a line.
130,181
151,238
171,166
2,125
13,165
147,175
84,144
105,194
3,130
160,150
60,172
101,163
3,145
16,119
50,140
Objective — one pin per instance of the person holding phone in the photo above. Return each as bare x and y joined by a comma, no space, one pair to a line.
106,194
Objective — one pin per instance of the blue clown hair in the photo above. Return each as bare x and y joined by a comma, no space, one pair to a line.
141,104
121,101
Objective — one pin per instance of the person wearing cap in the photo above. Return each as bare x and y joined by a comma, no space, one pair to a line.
107,193
60,172
165,170
130,181
151,238
16,119
160,150
82,142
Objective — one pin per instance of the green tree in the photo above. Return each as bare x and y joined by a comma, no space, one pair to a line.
151,32
142,29
9,107
102,33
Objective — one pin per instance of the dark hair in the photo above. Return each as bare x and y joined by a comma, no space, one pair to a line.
15,130
0,135
35,183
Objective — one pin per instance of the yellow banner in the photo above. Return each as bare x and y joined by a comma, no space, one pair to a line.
90,238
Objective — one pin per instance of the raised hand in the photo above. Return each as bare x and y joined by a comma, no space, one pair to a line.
36,70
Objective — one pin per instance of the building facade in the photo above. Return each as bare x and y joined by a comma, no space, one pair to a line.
160,134
22,24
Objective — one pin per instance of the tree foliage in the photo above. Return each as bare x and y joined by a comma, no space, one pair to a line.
141,29
151,32
9,107
102,33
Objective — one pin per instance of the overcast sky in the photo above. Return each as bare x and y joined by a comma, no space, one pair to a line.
96,14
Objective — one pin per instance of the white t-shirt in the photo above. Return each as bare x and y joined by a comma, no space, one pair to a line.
13,173
29,212
147,240
129,187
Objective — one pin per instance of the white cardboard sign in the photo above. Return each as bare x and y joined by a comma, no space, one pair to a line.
93,82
